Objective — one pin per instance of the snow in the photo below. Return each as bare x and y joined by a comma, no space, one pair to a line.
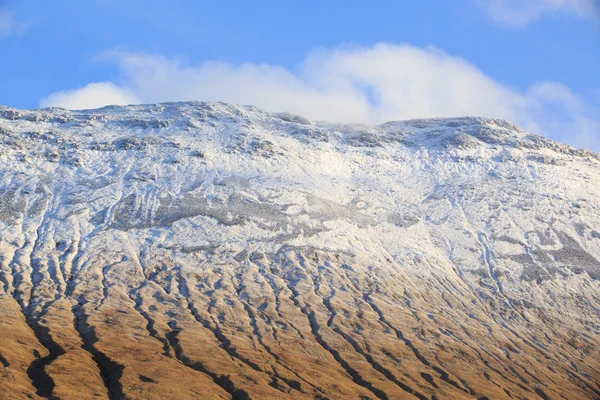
243,179
510,215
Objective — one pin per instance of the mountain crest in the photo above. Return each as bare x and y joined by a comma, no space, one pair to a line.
204,250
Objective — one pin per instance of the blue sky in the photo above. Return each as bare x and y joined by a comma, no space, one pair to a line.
534,62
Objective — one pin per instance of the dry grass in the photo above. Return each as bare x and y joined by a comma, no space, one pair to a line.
244,333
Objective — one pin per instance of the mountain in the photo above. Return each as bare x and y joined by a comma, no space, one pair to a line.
211,251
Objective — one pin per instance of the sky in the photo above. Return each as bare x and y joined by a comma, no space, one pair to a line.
532,62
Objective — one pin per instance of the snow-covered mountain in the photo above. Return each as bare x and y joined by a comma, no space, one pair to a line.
204,250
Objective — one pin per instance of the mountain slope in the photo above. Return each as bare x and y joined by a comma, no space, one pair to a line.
203,250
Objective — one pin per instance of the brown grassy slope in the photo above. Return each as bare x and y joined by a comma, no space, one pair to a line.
306,326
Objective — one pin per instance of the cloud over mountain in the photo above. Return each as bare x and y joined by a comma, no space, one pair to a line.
347,84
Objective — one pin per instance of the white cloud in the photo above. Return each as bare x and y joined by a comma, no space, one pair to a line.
8,24
562,115
518,13
372,85
94,95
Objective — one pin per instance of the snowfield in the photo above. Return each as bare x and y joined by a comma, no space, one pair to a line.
205,250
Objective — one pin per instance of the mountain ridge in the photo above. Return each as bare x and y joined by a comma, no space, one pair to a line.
203,249
519,136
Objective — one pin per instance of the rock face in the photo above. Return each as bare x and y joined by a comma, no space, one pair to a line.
209,251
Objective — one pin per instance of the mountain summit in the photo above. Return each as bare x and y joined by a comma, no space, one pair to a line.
210,251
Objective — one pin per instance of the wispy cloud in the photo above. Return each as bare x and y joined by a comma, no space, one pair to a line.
373,85
8,24
93,95
518,13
